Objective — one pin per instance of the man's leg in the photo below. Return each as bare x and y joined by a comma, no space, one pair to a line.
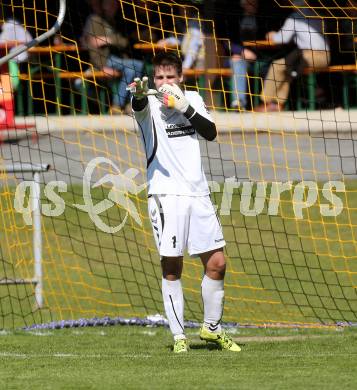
315,58
213,300
275,80
168,216
278,79
239,82
130,69
173,299
213,288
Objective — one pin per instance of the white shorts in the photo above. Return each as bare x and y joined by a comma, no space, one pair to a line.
181,222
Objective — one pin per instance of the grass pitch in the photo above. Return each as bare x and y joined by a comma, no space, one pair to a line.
280,269
141,358
87,273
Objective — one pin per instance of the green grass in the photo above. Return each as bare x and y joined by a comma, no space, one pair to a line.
141,358
280,269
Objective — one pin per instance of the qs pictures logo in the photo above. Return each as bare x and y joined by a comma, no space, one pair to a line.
122,184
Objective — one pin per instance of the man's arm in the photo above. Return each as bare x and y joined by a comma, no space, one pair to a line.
173,97
93,38
204,127
139,104
116,39
286,33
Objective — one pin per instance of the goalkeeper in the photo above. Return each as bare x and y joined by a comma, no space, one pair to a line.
180,209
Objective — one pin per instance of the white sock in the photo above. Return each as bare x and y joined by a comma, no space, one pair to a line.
173,301
213,297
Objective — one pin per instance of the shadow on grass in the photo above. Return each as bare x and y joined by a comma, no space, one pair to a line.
197,346
206,346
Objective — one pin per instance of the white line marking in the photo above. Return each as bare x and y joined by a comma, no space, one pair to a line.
39,333
71,355
78,332
149,333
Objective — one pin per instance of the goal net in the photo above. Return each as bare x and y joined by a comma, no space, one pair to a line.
76,240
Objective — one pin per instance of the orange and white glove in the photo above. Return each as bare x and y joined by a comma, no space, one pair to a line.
171,96
139,88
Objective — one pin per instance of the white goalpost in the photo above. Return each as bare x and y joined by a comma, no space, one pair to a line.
35,169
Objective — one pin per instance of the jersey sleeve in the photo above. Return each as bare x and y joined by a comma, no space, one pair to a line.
198,104
287,32
143,114
143,118
145,122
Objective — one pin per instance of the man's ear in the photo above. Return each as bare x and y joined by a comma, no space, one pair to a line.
181,78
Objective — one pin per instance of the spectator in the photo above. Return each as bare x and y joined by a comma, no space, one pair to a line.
109,51
192,47
191,41
242,56
13,31
312,50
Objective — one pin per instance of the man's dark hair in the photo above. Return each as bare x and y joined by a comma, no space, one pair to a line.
168,59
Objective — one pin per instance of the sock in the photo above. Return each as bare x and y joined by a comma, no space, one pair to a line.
173,301
213,297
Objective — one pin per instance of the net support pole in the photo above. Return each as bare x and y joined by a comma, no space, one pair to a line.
36,41
37,238
37,280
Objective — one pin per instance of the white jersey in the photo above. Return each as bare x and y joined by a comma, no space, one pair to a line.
307,33
12,30
172,148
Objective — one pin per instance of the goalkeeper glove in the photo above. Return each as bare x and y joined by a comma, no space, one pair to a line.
139,88
172,97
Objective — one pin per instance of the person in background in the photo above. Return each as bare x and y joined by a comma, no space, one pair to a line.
14,34
190,40
241,56
13,31
109,50
312,50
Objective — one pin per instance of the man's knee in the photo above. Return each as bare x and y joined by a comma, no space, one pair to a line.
171,267
218,266
215,267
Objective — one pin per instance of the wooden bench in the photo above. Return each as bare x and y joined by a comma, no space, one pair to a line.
86,77
98,74
311,72
92,76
